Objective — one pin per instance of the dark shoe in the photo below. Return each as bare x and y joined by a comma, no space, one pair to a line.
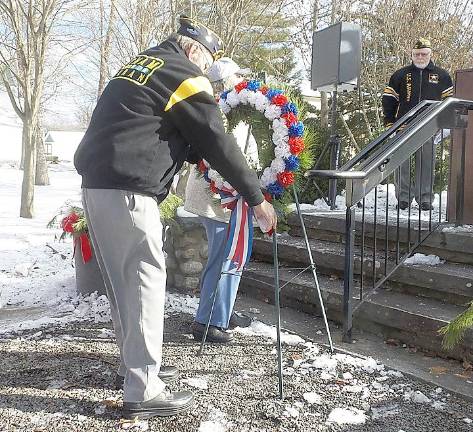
403,205
165,404
167,374
215,334
237,320
426,206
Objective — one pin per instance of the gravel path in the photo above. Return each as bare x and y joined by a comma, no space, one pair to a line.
61,380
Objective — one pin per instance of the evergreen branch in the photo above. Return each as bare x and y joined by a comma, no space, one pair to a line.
455,331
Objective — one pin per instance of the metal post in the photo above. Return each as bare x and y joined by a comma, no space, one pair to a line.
312,265
278,313
334,141
348,277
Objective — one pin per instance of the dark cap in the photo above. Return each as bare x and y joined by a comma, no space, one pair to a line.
203,35
422,43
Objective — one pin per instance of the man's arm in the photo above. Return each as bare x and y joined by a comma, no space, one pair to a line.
198,120
447,86
390,101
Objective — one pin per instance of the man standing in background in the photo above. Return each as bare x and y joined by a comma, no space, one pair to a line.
407,87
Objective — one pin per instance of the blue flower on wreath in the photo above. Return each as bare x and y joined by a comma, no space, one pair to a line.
292,163
273,92
224,94
289,107
253,85
296,130
275,189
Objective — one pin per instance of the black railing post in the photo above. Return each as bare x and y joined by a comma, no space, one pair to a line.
348,275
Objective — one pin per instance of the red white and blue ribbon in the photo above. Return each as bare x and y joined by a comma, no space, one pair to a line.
240,227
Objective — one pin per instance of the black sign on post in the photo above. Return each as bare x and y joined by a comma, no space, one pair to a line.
336,63
336,58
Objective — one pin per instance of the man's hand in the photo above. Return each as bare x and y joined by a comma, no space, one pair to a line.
266,216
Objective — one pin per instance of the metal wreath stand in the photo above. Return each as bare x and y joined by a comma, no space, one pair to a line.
277,291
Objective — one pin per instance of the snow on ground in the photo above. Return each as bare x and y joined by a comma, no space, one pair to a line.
384,191
419,258
37,279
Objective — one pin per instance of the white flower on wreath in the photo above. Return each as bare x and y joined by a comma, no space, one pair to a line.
282,152
279,126
280,141
244,95
261,102
233,99
272,112
224,106
278,165
268,177
252,97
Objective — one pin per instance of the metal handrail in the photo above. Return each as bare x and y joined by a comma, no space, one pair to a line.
434,110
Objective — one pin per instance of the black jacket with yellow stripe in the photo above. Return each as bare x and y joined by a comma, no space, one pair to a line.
155,113
410,85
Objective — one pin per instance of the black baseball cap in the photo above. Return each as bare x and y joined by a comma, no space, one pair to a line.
202,34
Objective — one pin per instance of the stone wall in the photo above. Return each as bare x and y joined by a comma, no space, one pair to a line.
186,249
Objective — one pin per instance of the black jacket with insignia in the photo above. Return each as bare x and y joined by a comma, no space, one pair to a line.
410,85
155,113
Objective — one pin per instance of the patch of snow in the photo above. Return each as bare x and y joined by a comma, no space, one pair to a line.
348,415
419,258
217,422
291,412
178,303
200,383
312,398
325,362
257,328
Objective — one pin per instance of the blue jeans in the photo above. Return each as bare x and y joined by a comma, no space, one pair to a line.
227,283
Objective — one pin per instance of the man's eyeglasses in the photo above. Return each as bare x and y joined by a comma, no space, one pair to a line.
421,54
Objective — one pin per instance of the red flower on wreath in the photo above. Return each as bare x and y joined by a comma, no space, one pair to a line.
290,118
264,89
296,145
240,86
67,224
279,100
286,178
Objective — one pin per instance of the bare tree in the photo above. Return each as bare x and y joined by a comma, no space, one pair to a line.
105,43
26,27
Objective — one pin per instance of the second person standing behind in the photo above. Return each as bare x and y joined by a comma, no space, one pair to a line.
223,75
408,86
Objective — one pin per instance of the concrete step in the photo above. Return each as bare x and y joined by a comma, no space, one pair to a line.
410,319
449,282
446,242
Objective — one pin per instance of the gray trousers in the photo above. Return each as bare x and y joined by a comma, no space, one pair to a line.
423,180
126,234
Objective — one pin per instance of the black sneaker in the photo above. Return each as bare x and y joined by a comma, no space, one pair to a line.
239,320
167,374
426,206
215,334
403,205
165,404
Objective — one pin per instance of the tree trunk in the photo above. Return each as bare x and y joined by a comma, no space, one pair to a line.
41,176
22,159
105,45
27,187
